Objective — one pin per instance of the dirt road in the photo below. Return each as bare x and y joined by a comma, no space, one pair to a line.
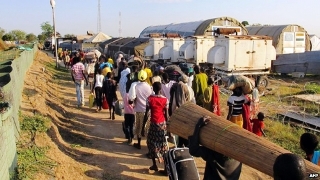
84,143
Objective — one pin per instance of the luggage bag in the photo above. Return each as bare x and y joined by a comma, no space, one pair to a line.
179,164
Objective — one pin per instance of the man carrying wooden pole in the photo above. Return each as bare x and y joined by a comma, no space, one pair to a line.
229,139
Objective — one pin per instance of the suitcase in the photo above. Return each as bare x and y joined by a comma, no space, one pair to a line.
179,164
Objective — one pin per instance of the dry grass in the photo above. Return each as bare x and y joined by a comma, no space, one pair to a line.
3,46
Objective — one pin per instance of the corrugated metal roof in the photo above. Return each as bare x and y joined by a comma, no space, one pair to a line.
190,28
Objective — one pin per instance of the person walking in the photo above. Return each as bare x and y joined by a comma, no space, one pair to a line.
78,77
199,84
109,89
158,105
166,85
90,72
138,95
179,95
218,166
207,96
235,103
97,88
129,119
123,80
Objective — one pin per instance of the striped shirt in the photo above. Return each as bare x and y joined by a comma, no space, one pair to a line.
236,102
77,71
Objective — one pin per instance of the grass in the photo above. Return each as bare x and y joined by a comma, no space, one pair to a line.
32,158
3,45
11,53
313,87
280,99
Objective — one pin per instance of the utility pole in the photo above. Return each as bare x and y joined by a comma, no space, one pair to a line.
120,30
99,18
53,4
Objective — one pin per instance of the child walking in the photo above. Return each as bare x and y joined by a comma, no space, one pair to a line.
129,119
109,88
309,143
258,125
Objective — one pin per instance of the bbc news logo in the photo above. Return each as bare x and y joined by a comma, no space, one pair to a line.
313,175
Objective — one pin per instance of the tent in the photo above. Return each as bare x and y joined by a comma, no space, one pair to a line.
115,46
315,42
100,37
104,45
290,38
200,28
135,47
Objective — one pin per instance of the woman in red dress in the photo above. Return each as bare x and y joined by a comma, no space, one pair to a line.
158,105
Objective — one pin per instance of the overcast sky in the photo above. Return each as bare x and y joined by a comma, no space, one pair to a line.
78,16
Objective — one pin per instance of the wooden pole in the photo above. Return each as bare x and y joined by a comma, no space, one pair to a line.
229,139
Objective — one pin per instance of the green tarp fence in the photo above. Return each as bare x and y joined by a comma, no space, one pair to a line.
12,74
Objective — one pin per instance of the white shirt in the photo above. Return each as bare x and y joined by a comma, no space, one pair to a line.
190,79
165,89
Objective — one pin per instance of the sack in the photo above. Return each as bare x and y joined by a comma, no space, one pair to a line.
240,81
119,108
105,103
91,100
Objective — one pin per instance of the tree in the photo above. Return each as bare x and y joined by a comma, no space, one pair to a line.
47,29
245,23
2,32
69,36
7,37
31,37
18,35
41,38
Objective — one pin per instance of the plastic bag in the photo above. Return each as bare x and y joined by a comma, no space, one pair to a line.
119,108
105,103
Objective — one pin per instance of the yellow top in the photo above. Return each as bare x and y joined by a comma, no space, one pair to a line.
110,61
149,75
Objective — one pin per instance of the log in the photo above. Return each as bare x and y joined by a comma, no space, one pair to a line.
229,139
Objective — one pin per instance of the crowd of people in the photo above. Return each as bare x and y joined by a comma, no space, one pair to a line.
150,97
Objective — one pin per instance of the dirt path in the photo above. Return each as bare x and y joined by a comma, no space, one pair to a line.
86,144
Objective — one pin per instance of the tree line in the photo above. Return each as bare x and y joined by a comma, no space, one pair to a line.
20,35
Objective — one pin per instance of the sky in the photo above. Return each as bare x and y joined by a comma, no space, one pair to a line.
79,16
